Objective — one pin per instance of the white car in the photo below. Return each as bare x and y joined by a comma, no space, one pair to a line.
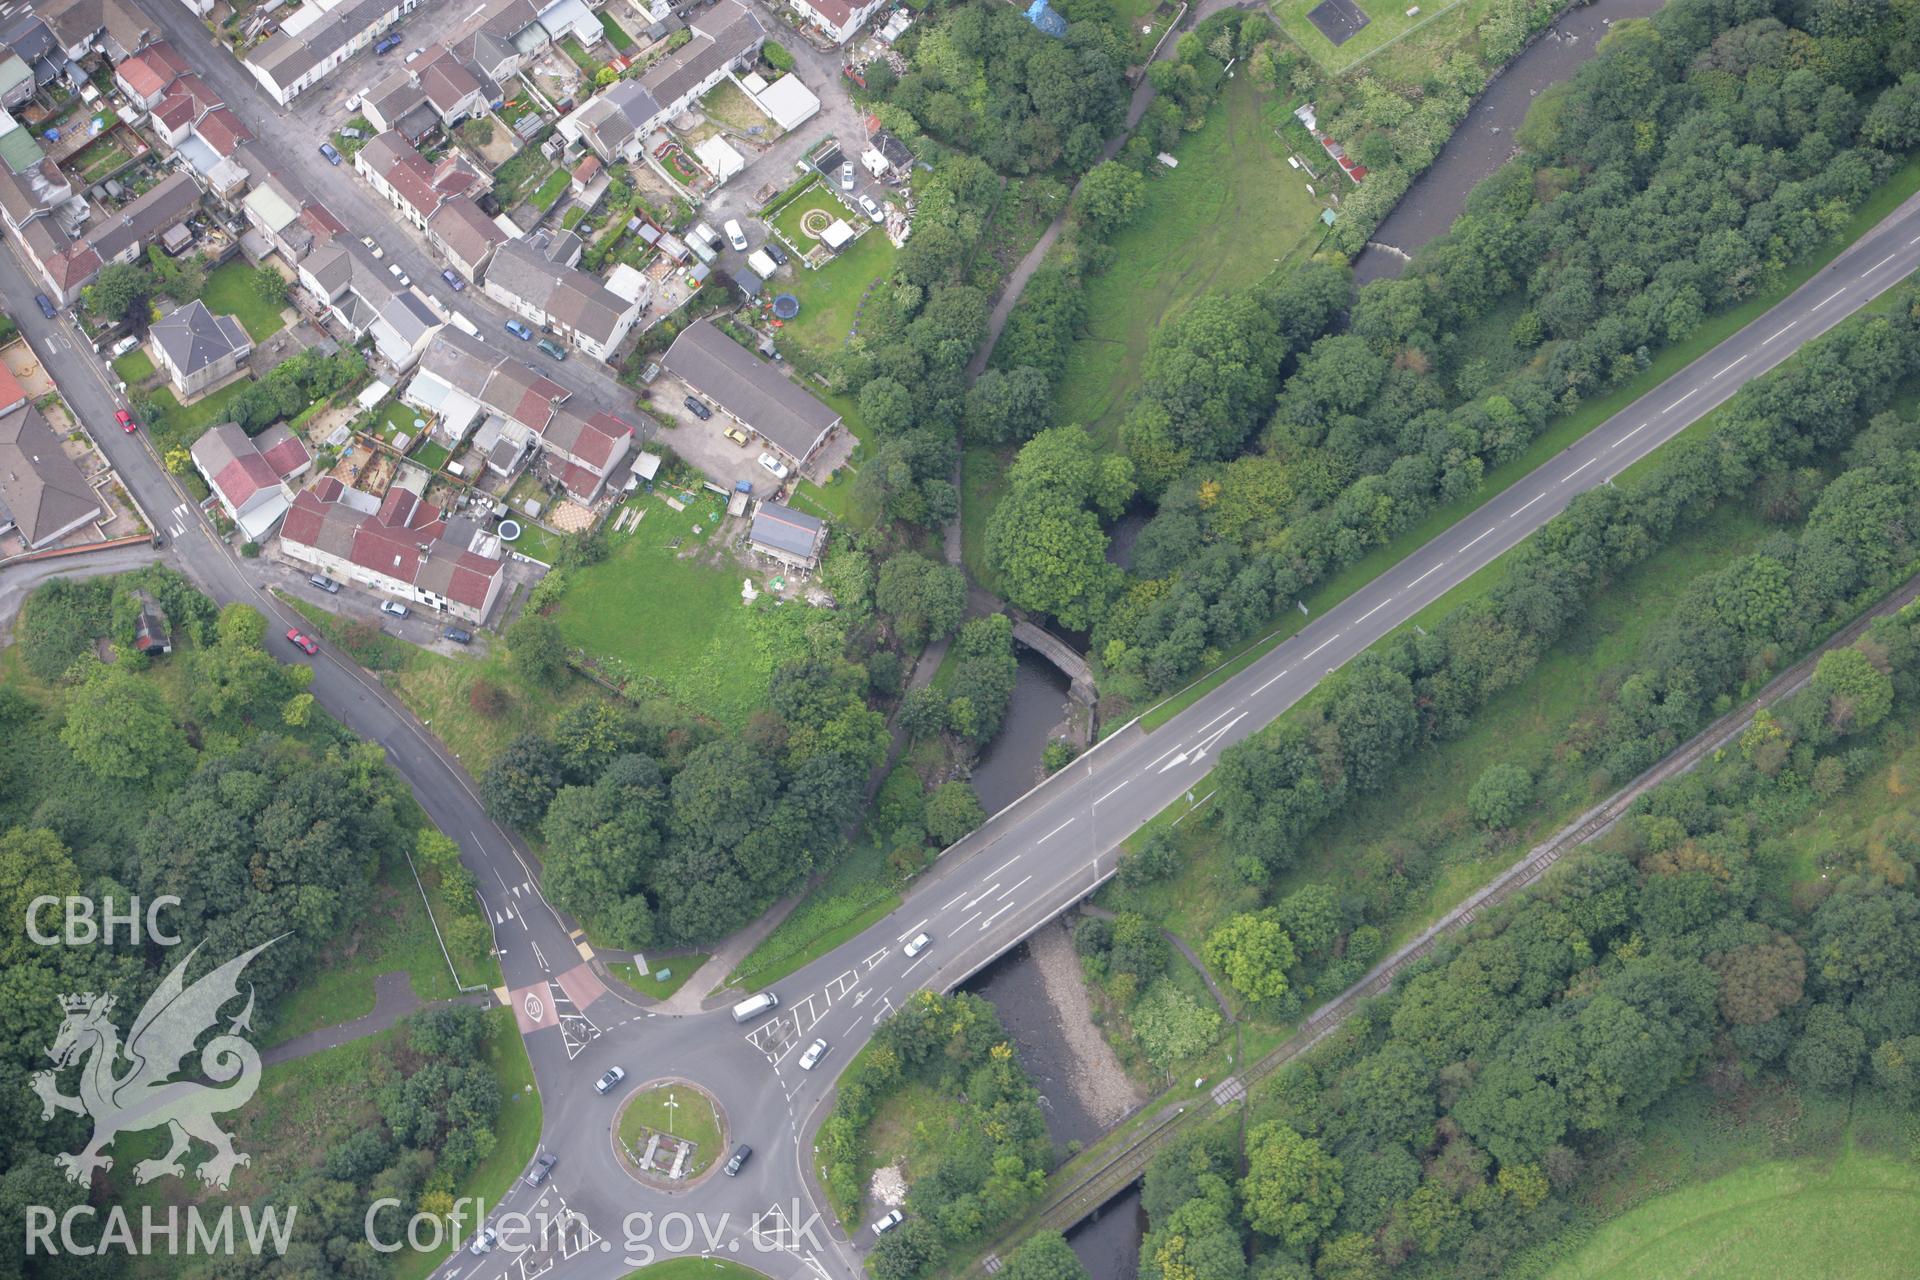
846,176
887,1223
735,236
872,207
780,469
920,943
613,1077
412,57
393,269
814,1053
374,245
483,1242
393,608
353,103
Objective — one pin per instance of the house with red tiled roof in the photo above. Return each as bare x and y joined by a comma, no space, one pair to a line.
410,182
250,475
401,546
145,76
187,99
838,20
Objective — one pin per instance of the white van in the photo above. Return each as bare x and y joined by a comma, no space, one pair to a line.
735,236
707,235
753,1006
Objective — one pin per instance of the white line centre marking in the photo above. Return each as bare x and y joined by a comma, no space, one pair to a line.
1056,831
1677,403
1003,866
1783,328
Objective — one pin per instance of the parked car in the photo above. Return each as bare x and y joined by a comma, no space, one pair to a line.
735,236
739,437
45,304
348,131
393,608
846,176
741,1154
871,207
519,331
814,1053
483,1242
553,348
386,46
542,1169
697,407
780,469
326,149
891,1219
606,1082
920,943
452,277
773,250
325,583
458,636
374,247
393,269
353,103
304,643
125,419
414,56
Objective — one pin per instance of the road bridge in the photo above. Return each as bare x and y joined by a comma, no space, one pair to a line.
1060,654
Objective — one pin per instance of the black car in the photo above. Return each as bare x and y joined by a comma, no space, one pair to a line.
775,252
458,636
738,1162
698,408
45,304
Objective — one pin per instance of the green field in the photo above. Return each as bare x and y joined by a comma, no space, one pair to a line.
135,367
681,967
683,1112
1220,221
696,1269
179,426
1846,1219
230,292
858,891
1389,25
671,616
830,297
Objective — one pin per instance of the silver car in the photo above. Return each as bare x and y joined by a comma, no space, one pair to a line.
872,208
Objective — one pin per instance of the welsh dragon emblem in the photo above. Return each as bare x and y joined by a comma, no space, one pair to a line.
131,1087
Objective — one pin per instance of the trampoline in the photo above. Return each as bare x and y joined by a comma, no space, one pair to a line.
786,307
1338,20
509,530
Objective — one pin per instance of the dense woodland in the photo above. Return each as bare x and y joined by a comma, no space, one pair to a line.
1700,154
1449,1124
210,775
660,827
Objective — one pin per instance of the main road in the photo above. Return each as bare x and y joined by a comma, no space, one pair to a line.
1022,867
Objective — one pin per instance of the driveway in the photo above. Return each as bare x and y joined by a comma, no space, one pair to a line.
704,444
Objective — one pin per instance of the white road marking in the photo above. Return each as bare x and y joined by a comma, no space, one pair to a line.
1469,546
1423,577
875,958
1577,470
956,897
1731,363
996,915
1377,608
1876,266
1216,720
1529,502
909,933
1677,403
1630,435
1829,298
1009,893
1783,328
1056,831
1270,680
989,889
1123,786
915,965
1323,644
1003,866
964,923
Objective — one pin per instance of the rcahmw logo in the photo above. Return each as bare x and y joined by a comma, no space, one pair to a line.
147,1096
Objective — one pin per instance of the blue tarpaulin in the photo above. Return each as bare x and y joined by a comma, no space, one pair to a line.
1042,16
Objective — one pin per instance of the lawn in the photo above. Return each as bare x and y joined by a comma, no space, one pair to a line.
1389,24
681,967
230,292
1221,220
729,104
616,34
180,425
858,891
540,543
572,47
830,297
677,1110
983,482
696,1269
549,192
665,609
432,455
527,168
135,367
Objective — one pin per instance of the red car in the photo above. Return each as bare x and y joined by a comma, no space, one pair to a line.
127,424
302,642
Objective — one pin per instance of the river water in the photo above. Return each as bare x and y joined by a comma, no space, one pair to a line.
1109,1243
1484,140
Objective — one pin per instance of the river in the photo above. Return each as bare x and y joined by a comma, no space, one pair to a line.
1484,140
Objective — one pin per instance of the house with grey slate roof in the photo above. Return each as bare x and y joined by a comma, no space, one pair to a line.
197,348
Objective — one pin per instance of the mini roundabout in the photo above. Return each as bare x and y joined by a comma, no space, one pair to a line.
670,1134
